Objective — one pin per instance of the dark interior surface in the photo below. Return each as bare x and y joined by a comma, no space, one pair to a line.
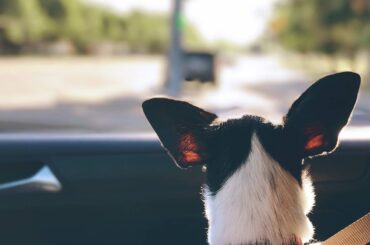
124,190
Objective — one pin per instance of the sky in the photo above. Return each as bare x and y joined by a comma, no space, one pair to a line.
237,21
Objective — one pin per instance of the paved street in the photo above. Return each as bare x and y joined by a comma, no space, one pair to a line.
104,95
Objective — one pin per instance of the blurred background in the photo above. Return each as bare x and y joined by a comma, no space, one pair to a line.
86,65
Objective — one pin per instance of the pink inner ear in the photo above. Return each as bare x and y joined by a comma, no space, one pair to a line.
315,142
313,128
191,157
315,136
188,148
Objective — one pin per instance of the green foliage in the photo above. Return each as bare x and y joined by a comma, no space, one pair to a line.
34,22
74,27
147,32
192,38
94,24
25,21
328,27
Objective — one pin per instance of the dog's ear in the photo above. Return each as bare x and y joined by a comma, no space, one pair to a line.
181,129
315,119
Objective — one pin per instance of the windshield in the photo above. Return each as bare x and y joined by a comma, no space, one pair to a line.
86,66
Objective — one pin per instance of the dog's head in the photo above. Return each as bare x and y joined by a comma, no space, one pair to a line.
193,136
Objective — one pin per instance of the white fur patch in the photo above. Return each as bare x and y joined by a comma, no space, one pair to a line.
260,201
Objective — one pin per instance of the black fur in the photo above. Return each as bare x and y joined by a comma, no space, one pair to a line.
324,108
230,145
321,111
193,136
171,119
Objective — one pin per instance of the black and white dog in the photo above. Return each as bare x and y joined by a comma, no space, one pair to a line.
258,190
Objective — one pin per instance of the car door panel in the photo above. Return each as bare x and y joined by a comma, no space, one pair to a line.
122,190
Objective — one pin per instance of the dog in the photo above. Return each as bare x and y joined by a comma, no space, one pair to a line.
257,190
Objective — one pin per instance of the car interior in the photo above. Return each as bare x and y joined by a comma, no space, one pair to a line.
127,191
79,164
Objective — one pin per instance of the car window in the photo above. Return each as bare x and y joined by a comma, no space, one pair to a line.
85,66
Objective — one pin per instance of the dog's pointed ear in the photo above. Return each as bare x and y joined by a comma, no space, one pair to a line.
181,127
318,115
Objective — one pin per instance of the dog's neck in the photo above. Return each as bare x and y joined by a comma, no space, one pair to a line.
260,203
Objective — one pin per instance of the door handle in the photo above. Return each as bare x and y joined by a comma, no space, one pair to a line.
43,181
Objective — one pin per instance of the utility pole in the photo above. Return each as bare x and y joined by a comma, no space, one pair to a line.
175,55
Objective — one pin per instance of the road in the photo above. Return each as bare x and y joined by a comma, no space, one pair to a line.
104,95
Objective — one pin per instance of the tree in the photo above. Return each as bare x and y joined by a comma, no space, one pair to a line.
328,27
26,21
146,32
29,23
74,23
192,37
